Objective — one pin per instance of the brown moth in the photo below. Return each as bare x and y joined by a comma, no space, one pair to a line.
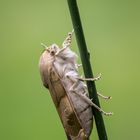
59,73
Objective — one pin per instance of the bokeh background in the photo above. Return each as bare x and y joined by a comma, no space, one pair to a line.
112,32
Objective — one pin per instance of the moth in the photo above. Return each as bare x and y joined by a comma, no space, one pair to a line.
59,73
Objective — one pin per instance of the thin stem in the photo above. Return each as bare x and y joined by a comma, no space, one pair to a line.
87,66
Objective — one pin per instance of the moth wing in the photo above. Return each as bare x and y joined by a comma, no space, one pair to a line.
81,108
60,98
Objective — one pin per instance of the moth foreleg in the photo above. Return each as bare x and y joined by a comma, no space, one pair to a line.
68,39
66,42
61,50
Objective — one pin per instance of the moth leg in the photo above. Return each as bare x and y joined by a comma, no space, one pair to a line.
61,50
68,39
91,79
86,94
92,104
102,111
66,42
78,66
74,80
85,98
73,86
104,97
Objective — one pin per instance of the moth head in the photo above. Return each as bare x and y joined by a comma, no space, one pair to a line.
53,49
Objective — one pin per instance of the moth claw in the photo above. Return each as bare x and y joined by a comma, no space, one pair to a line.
108,113
98,77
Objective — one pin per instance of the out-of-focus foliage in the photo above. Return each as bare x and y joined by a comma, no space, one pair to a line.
112,32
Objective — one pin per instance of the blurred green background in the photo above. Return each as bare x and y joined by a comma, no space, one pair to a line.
112,32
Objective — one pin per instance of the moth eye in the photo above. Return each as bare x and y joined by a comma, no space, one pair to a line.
52,52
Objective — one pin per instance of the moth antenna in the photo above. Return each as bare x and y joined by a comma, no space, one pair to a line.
43,45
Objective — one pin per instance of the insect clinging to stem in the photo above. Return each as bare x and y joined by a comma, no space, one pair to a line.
59,73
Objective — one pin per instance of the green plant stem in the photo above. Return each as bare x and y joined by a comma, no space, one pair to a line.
87,66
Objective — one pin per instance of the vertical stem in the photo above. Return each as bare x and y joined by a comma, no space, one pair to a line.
86,66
